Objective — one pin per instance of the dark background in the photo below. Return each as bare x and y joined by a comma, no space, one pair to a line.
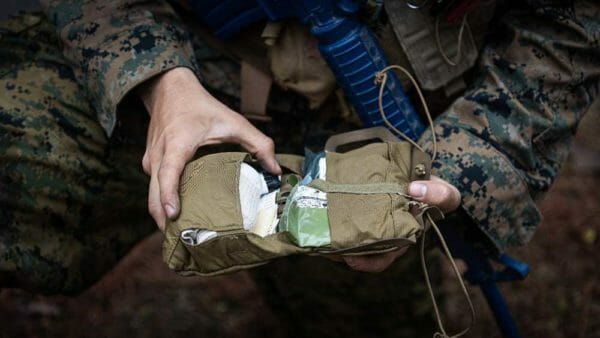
142,298
13,6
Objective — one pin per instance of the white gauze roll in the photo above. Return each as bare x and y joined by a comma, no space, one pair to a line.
252,187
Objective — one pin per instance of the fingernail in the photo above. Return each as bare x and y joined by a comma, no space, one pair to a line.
170,210
417,190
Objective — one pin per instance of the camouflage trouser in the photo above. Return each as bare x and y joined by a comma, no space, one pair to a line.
72,201
319,298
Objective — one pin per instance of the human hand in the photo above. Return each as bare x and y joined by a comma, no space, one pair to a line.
434,192
184,117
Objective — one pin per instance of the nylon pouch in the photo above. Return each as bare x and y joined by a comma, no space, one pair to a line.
367,209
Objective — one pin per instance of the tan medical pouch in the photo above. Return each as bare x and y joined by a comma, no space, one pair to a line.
367,209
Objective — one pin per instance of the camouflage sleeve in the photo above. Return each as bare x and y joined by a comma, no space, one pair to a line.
115,45
502,144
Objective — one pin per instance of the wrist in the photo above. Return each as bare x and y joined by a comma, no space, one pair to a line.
173,82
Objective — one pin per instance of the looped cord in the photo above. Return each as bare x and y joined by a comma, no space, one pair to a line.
381,78
463,24
442,333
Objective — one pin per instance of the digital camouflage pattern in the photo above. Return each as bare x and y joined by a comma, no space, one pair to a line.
72,200
503,142
113,46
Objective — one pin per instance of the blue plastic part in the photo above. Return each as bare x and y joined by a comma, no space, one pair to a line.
348,46
244,19
504,318
514,269
354,56
226,18
356,59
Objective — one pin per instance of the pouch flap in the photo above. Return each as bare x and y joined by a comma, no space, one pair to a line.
209,193
363,218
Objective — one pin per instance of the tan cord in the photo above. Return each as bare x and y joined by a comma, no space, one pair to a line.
464,23
442,333
381,78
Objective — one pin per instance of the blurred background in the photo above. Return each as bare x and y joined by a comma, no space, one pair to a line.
14,6
142,298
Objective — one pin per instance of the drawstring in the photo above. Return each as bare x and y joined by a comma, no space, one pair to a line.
381,78
438,317
463,24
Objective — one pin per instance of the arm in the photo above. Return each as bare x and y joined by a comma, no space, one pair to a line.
113,46
120,45
502,144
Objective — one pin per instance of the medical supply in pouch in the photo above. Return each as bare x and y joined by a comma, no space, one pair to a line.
234,215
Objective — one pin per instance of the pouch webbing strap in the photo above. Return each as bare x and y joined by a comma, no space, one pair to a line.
380,133
369,188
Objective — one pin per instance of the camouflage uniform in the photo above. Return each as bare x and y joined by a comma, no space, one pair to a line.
72,198
503,142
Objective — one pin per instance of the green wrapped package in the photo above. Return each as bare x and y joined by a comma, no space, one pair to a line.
305,218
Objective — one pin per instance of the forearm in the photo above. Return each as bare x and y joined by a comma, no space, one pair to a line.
114,46
503,143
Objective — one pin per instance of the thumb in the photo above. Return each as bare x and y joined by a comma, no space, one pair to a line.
436,192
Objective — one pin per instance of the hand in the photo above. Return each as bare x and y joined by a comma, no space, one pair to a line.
435,192
184,117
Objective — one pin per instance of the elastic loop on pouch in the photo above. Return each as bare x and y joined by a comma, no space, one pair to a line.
367,188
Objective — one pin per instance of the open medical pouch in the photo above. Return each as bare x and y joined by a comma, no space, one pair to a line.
365,208
337,203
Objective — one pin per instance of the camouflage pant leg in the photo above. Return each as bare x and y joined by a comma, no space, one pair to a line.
315,297
72,202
